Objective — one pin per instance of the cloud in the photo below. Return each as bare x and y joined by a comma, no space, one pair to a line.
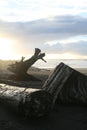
79,47
58,28
26,10
37,33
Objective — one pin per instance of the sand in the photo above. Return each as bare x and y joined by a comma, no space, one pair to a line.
62,117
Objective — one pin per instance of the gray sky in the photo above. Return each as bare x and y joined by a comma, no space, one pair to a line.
57,27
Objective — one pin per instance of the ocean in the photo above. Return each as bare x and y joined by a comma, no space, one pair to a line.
52,63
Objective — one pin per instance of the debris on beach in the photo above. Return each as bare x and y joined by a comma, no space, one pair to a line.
28,102
19,69
67,85
64,85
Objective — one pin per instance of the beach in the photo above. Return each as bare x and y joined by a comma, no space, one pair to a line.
62,117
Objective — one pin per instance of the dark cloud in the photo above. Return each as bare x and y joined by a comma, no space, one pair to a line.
79,47
36,33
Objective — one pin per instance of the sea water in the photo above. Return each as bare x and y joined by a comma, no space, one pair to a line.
51,63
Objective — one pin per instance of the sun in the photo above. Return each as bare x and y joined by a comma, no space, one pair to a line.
5,48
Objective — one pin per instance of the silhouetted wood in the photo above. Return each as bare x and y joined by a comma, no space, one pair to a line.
67,85
26,101
20,68
64,85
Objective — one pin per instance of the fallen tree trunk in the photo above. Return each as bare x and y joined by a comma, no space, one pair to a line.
67,85
27,101
56,80
64,84
19,69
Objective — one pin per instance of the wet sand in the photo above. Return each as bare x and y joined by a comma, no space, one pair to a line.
61,118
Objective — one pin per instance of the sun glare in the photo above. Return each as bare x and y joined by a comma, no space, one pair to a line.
5,48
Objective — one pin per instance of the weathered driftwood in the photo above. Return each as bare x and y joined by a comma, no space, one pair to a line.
64,85
25,84
20,68
27,101
67,85
56,80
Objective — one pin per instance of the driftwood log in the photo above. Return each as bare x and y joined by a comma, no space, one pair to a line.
67,85
56,80
26,101
20,68
64,85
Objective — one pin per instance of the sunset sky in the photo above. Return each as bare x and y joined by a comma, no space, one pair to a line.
57,27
